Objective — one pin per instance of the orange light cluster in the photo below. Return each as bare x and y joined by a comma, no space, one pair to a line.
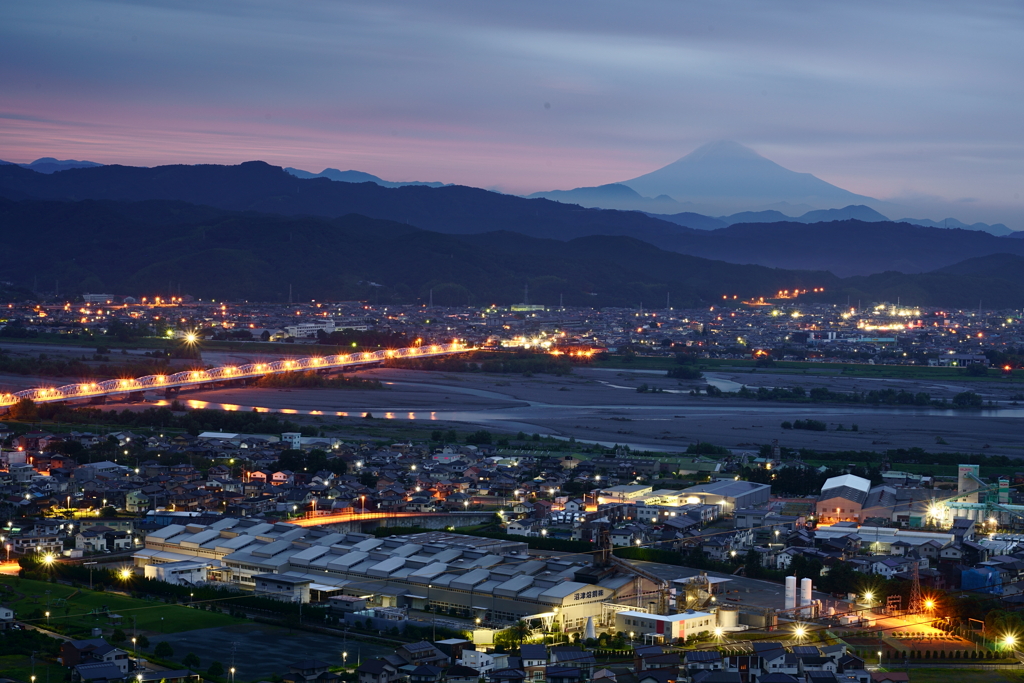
573,352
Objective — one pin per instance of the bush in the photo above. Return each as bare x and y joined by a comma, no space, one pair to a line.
812,425
479,438
164,650
216,669
787,425
967,399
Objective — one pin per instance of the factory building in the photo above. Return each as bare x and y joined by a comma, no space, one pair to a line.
668,627
842,499
727,495
465,576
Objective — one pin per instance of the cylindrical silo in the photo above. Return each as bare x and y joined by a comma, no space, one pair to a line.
790,592
728,617
806,586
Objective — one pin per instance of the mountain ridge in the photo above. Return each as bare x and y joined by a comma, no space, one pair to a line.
351,176
148,247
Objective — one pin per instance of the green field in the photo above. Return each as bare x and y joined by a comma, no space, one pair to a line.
78,617
19,667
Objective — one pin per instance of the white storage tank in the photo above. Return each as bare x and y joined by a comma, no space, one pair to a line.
790,592
806,586
728,617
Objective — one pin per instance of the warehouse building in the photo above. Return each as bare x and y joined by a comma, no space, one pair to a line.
464,576
728,495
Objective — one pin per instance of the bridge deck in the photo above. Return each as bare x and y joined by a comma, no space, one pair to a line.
224,373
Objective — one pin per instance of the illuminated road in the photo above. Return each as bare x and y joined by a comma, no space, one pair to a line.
193,378
359,517
349,517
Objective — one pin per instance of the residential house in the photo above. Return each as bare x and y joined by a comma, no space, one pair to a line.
425,673
535,661
422,653
310,671
463,674
377,671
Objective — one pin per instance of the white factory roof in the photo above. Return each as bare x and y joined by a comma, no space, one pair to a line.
402,565
854,482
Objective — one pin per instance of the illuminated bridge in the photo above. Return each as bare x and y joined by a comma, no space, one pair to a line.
195,378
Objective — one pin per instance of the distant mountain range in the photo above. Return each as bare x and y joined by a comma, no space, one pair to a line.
687,192
860,213
51,165
171,202
157,246
354,177
723,175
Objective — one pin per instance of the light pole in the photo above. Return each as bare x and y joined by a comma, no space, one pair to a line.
344,659
879,658
89,565
232,674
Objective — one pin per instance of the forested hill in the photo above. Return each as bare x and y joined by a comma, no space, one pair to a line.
847,247
257,186
146,247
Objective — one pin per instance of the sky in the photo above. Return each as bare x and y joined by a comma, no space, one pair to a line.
914,102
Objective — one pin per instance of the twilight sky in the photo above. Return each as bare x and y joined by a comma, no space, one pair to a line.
915,102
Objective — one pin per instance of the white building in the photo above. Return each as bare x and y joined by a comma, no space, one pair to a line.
183,572
668,626
481,661
282,587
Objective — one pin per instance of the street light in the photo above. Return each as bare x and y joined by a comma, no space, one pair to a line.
344,659
1010,640
232,674
47,618
799,632
929,604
